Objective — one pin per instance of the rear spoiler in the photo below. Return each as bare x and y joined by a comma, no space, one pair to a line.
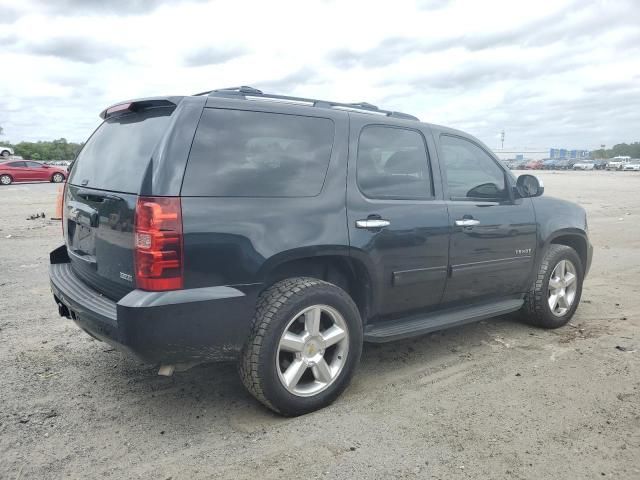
138,105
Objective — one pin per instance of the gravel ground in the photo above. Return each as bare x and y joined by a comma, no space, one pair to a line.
497,399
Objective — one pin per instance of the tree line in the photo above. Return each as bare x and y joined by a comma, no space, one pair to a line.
620,150
50,150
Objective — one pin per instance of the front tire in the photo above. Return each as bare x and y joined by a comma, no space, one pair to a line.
556,292
5,180
57,178
304,346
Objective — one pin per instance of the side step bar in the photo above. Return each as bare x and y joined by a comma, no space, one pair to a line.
388,331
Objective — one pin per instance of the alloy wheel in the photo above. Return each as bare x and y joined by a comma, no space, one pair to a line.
563,285
312,351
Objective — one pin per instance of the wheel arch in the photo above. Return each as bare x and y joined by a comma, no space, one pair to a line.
332,265
575,239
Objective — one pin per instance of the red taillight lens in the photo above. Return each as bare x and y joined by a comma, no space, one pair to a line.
158,238
118,108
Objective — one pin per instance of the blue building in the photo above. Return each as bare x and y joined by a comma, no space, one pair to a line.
564,154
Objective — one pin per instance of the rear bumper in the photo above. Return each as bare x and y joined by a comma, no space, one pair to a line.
181,326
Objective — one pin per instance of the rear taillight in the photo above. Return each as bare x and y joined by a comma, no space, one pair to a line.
158,248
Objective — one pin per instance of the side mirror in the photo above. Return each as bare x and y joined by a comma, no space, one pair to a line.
529,186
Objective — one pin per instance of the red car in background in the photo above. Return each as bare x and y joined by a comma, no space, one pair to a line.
534,165
29,171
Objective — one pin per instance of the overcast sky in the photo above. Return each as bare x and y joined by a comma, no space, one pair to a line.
562,73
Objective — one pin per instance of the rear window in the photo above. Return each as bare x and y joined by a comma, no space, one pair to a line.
239,153
117,154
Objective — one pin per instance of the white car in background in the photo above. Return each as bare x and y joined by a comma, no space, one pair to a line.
6,152
617,163
584,165
633,165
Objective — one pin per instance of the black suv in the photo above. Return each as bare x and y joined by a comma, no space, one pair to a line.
283,232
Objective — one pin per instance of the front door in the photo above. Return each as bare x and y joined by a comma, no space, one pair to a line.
493,235
36,171
398,222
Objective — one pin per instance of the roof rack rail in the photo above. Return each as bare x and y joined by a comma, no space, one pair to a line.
250,93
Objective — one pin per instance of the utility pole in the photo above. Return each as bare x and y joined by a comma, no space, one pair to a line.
502,139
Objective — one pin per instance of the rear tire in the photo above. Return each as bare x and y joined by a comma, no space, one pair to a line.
57,178
558,283
5,180
6,153
291,366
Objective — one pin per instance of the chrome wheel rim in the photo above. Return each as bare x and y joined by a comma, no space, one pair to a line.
312,351
5,180
57,178
563,285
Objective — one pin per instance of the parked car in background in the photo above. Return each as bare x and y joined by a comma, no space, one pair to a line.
29,171
550,164
563,164
534,165
571,162
64,164
514,164
6,152
633,165
617,163
584,165
600,164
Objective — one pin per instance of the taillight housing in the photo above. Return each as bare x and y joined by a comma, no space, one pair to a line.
159,244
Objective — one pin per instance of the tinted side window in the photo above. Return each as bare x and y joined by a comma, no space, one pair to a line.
34,165
17,164
471,172
238,153
393,163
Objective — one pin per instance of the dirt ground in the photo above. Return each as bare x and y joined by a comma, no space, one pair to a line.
497,399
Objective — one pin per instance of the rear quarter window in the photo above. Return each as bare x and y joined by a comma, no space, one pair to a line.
238,153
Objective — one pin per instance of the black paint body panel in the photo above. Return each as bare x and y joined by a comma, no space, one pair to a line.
418,267
182,326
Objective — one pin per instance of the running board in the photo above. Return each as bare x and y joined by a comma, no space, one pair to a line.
388,331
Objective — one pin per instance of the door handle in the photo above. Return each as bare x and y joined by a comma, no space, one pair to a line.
372,223
467,222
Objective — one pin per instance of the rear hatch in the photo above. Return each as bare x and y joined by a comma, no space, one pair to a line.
102,192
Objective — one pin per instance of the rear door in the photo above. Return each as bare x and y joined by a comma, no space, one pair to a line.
398,223
493,235
19,171
101,197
